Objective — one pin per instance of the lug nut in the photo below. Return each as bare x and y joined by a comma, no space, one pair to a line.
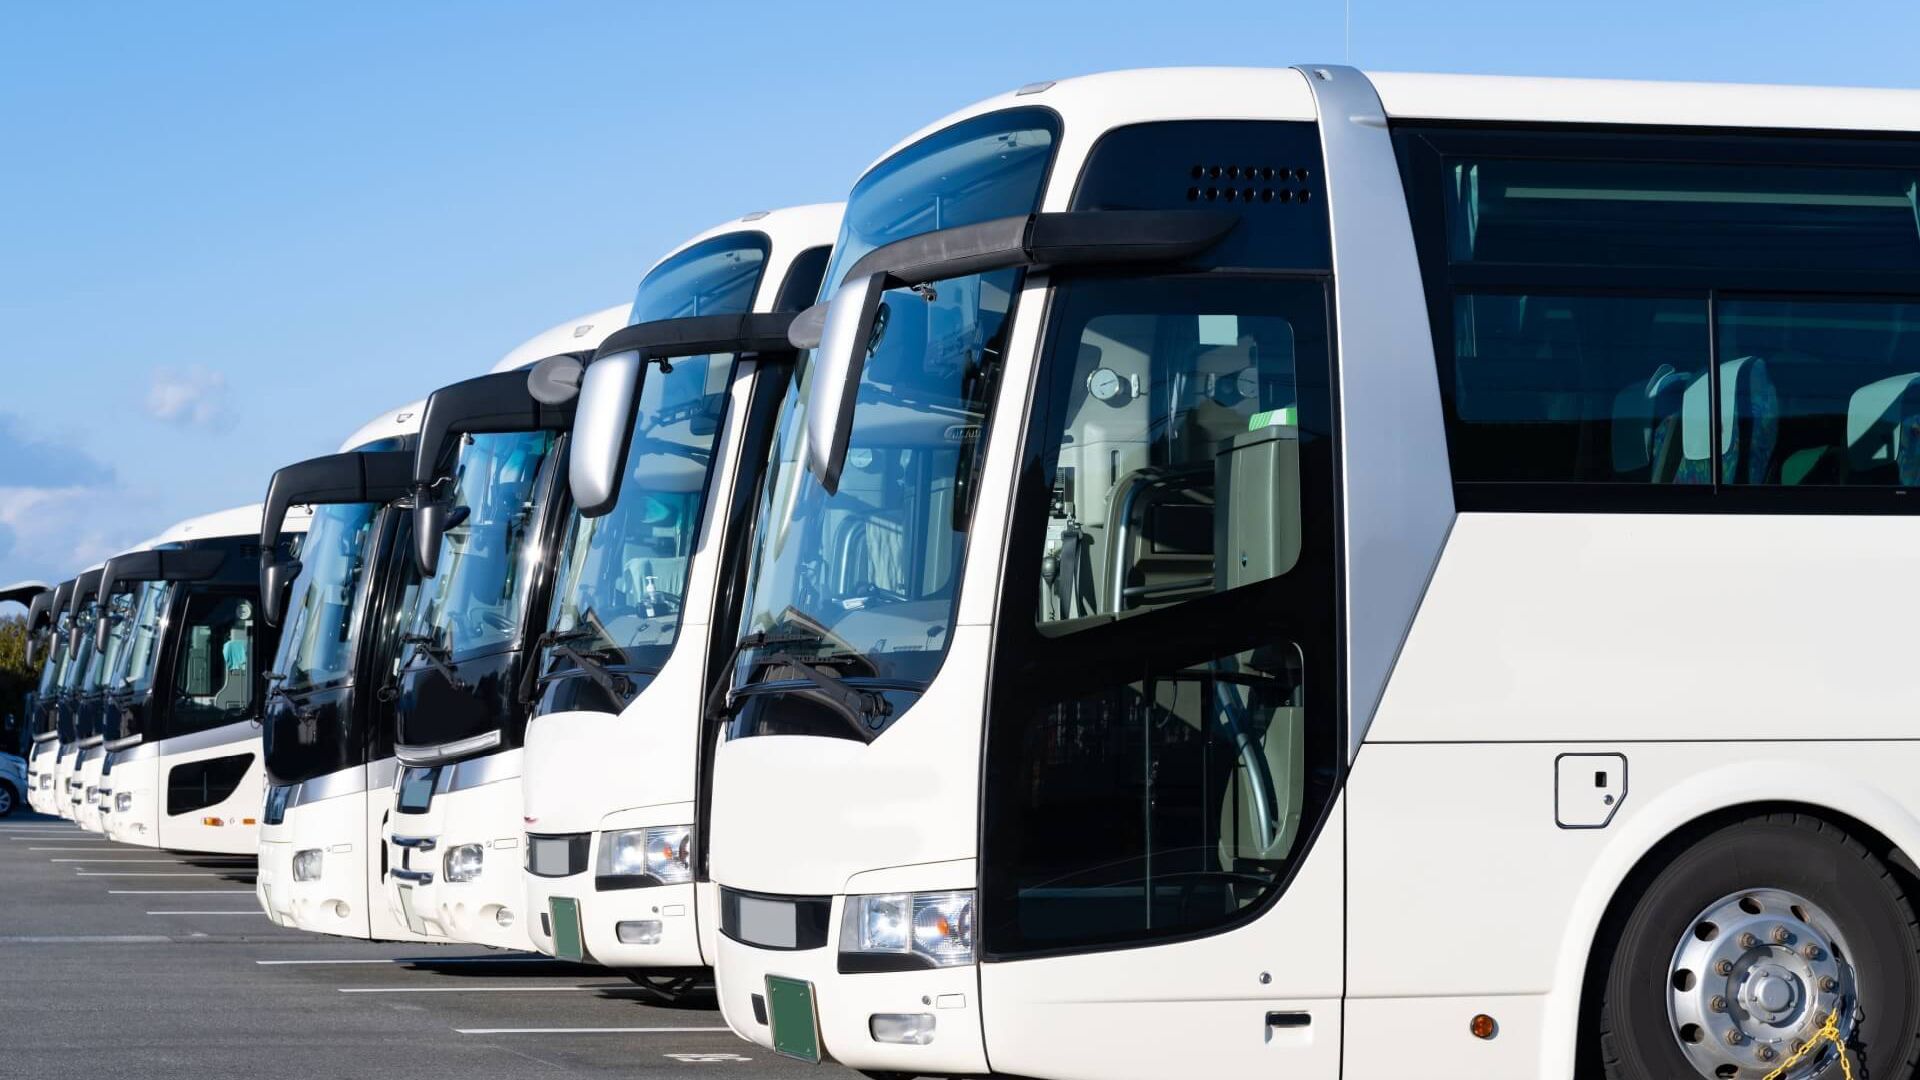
1764,1053
1811,952
1780,935
1797,1045
1733,1037
1718,1004
1748,941
1723,967
1829,984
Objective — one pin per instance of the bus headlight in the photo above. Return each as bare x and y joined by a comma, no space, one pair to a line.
307,865
122,802
937,927
462,862
663,853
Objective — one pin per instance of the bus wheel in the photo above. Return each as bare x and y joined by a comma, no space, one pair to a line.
1774,940
8,798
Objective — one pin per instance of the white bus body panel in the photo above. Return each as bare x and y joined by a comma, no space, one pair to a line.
64,767
489,815
40,766
392,424
349,899
86,794
237,831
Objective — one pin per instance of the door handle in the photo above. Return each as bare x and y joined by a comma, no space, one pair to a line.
1289,1019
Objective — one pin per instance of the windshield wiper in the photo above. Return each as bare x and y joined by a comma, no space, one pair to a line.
759,639
588,662
869,705
425,646
275,689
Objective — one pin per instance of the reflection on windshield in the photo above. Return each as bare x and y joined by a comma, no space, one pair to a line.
316,648
865,579
76,678
474,602
623,575
137,660
55,667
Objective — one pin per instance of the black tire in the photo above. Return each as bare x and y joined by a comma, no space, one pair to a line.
9,799
1795,852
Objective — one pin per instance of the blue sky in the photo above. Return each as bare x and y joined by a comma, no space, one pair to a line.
231,233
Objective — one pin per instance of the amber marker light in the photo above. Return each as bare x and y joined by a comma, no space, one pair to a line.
1484,1026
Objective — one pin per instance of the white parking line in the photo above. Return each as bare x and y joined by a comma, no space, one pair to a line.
138,873
481,989
85,939
169,862
262,914
427,960
180,892
584,1031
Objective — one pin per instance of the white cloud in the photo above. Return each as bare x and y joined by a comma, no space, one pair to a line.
194,397
53,532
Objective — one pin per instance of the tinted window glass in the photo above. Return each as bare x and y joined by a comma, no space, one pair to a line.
1163,740
209,782
316,648
1635,213
143,645
473,602
1562,387
214,669
1819,392
864,580
1174,414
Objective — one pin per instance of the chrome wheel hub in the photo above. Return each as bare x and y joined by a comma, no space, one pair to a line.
1753,978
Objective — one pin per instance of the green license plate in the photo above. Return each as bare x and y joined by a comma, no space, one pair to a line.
565,912
796,1026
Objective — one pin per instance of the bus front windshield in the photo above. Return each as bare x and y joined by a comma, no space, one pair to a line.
139,659
622,576
316,648
862,582
119,616
473,604
56,662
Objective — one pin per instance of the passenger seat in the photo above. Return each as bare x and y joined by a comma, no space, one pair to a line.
1750,427
1642,410
1883,431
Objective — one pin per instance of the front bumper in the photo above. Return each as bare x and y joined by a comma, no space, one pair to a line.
488,910
674,910
274,877
846,1003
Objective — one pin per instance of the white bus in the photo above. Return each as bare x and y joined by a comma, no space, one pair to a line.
46,761
39,628
648,555
182,716
328,733
485,520
1313,574
81,753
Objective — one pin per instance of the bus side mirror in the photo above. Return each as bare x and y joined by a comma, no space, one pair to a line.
431,520
276,587
602,430
834,376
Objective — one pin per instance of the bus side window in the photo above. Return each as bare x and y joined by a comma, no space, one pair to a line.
214,677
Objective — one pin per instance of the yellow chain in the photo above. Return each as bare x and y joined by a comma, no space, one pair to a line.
1829,1032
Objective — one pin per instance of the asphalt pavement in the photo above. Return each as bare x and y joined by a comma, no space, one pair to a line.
118,961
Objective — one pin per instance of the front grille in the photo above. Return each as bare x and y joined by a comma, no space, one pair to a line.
775,922
561,855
